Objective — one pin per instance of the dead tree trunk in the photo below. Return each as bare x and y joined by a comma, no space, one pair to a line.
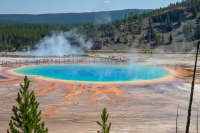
192,91
197,119
177,119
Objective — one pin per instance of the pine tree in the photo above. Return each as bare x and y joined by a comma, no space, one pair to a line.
130,28
140,42
126,39
170,38
133,37
197,32
26,118
170,26
169,23
163,39
180,20
104,127
119,39
195,12
140,26
158,38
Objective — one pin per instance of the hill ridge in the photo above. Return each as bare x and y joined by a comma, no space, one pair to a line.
63,18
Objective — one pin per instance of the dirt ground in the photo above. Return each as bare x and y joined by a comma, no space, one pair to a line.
145,107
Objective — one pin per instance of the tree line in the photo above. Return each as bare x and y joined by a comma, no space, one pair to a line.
24,36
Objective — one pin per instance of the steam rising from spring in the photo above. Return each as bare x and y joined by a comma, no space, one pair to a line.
103,19
62,43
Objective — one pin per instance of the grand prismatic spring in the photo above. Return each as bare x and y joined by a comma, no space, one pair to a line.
141,95
95,73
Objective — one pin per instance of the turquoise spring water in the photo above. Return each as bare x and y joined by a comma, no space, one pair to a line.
95,73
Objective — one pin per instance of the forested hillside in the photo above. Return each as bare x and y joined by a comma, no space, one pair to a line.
172,28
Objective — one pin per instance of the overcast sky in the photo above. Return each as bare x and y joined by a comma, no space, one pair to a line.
66,6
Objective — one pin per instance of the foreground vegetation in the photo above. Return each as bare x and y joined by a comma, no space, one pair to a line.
27,118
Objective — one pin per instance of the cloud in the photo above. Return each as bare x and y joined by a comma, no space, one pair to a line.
106,2
61,43
87,11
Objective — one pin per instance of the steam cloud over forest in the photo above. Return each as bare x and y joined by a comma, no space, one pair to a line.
62,43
